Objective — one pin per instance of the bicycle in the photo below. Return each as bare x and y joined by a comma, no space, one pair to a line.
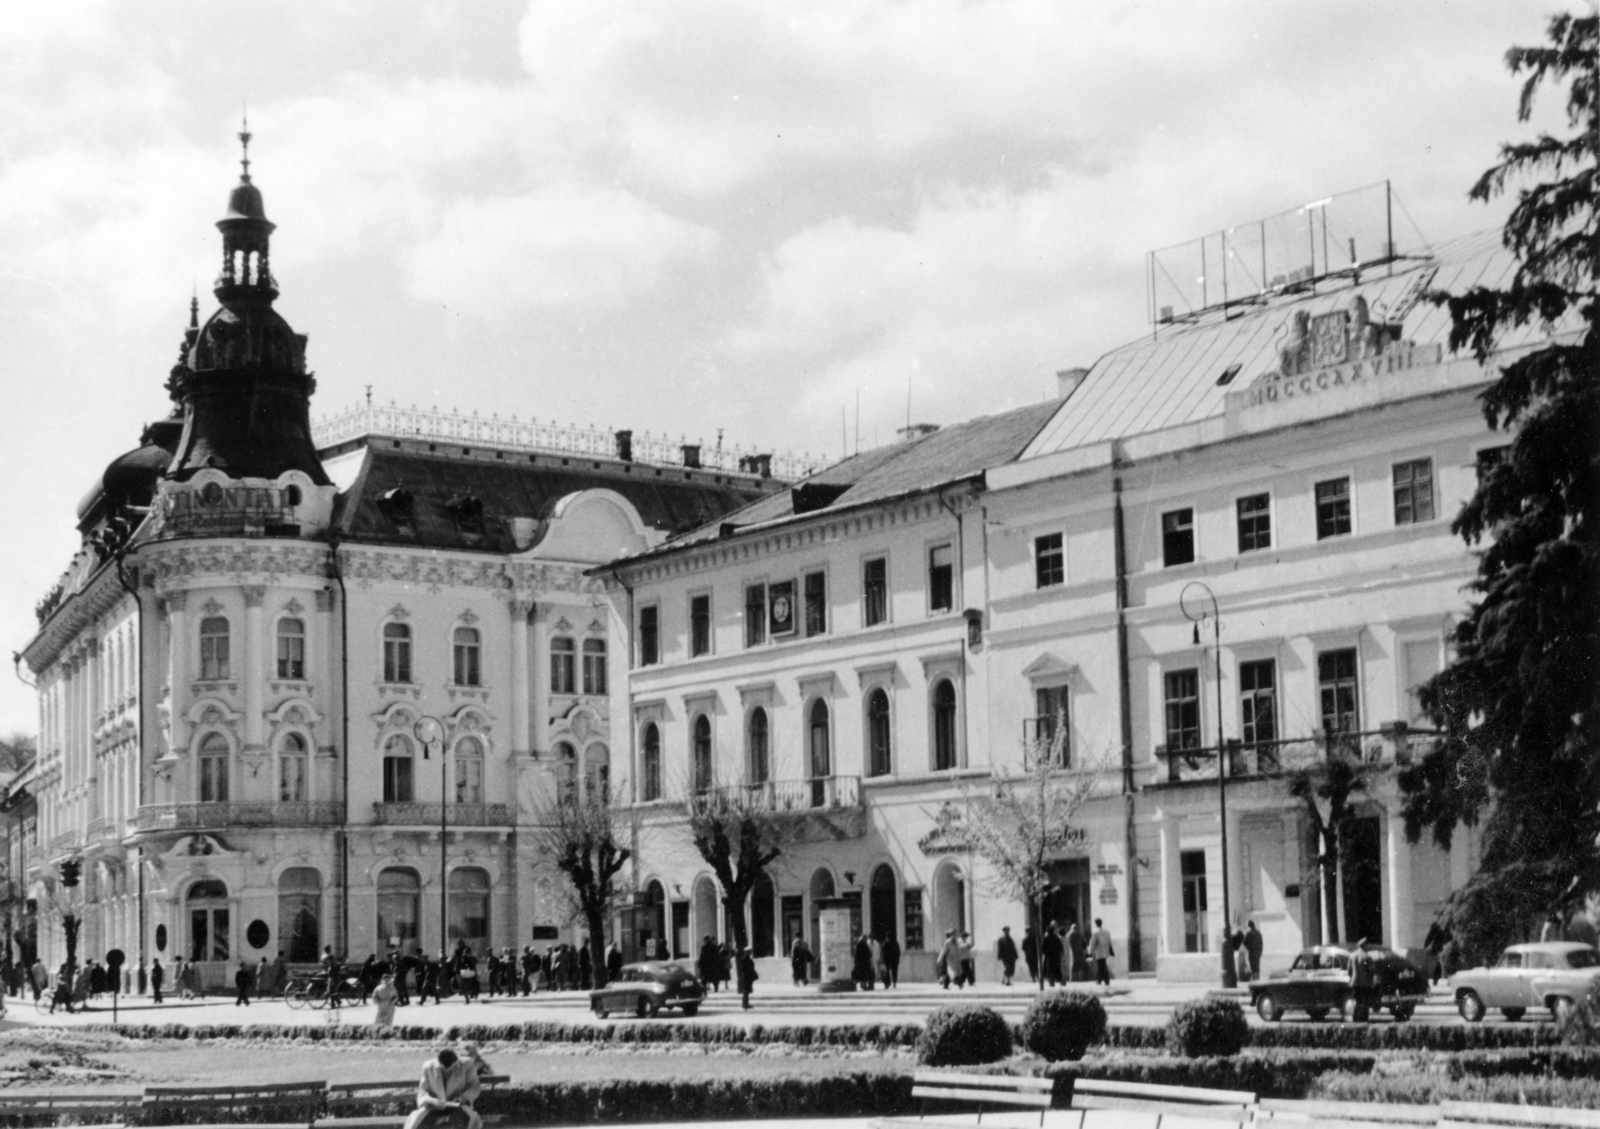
302,991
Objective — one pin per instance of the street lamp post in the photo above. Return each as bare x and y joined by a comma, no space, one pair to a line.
1198,614
429,732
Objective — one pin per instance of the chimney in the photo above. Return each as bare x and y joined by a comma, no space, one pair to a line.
625,446
691,456
915,431
1067,381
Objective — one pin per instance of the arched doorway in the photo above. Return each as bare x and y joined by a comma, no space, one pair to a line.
300,913
653,929
882,903
469,908
949,902
821,887
703,924
399,907
210,930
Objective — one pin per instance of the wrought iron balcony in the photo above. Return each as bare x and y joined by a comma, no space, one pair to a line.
1393,744
455,815
237,813
824,807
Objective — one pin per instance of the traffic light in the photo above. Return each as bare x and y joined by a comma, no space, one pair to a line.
70,871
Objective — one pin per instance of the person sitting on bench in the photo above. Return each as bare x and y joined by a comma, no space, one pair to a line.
446,1095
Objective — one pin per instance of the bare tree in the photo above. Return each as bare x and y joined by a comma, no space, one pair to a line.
1019,823
739,833
583,838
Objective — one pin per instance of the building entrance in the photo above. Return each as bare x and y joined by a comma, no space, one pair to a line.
1362,880
1067,900
210,931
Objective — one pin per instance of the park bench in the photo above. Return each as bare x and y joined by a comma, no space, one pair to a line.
1102,1104
1291,1114
25,1111
1492,1115
377,1105
944,1088
281,1105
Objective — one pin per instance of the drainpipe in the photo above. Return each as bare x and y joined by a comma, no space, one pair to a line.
1125,710
138,743
337,574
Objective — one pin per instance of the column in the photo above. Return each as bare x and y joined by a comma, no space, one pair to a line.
1235,863
1400,908
91,704
177,670
254,719
539,682
521,691
1171,878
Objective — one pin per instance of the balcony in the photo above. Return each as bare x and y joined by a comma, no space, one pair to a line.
429,815
822,807
242,813
1395,744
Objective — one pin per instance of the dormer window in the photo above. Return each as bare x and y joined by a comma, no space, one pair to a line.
398,506
467,512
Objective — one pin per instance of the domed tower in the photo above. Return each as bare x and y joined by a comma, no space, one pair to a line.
242,381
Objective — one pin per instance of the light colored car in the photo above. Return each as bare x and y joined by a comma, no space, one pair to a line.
644,989
1542,974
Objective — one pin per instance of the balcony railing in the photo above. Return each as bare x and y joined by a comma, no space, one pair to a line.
238,813
1393,744
791,795
428,815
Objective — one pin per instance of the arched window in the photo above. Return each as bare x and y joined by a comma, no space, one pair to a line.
563,656
878,733
650,770
399,910
821,756
214,648
882,899
214,754
944,725
292,648
469,908
209,920
396,652
566,771
293,765
467,670
397,757
594,667
469,771
597,772
300,913
702,754
759,737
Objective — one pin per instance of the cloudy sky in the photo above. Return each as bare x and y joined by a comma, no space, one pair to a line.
679,217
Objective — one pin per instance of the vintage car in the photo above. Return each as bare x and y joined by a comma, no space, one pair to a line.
645,988
1548,974
1353,982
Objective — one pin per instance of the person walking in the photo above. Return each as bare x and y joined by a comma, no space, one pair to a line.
949,960
877,960
800,961
706,963
747,975
1253,947
530,970
1005,950
1030,952
1101,952
158,976
585,966
41,978
241,983
613,961
861,964
280,974
386,996
891,962
969,968
1052,950
1078,950
263,977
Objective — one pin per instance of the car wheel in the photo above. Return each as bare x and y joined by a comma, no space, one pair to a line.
1267,1008
1403,1012
1513,1013
1470,1006
1317,1014
691,1010
1562,1008
645,1008
601,1011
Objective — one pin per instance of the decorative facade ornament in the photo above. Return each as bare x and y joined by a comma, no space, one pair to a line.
469,617
596,627
211,607
254,595
398,612
563,624
294,607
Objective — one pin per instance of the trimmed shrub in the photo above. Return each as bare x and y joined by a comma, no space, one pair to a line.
860,1094
1208,1027
1063,1025
1271,1074
964,1036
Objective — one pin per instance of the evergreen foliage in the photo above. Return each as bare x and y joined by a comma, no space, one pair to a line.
1063,1025
964,1036
1207,1028
1520,702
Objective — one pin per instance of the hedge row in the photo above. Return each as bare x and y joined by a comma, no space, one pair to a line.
1404,1036
741,1099
1429,1089
1269,1074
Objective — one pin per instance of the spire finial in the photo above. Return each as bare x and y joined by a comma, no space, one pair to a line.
194,306
244,141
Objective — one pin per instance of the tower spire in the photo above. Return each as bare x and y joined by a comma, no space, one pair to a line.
244,143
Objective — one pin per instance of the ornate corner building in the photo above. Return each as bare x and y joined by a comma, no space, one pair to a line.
232,669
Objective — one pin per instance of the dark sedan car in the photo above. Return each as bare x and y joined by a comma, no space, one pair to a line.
645,988
1354,982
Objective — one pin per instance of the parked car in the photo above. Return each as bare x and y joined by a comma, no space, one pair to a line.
1549,974
645,988
1353,982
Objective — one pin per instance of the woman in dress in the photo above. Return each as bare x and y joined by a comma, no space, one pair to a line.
386,995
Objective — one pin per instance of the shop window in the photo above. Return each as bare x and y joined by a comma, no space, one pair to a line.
469,908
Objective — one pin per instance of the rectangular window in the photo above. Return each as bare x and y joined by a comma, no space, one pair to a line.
1192,869
214,778
466,654
874,591
1177,537
1488,459
1182,689
914,941
780,608
214,649
397,780
1336,684
1049,561
1258,701
1333,508
1413,491
755,614
649,635
563,665
699,625
941,578
594,667
816,585
1050,718
396,653
1255,522
291,649
292,778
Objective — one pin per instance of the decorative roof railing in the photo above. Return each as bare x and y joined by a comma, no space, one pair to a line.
513,434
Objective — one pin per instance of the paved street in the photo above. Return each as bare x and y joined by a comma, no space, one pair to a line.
1138,1001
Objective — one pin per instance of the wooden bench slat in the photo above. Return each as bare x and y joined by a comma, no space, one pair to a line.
1215,1112
1003,1097
1194,1094
1351,1111
1476,1115
1119,1119
1205,1117
990,1081
230,1091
